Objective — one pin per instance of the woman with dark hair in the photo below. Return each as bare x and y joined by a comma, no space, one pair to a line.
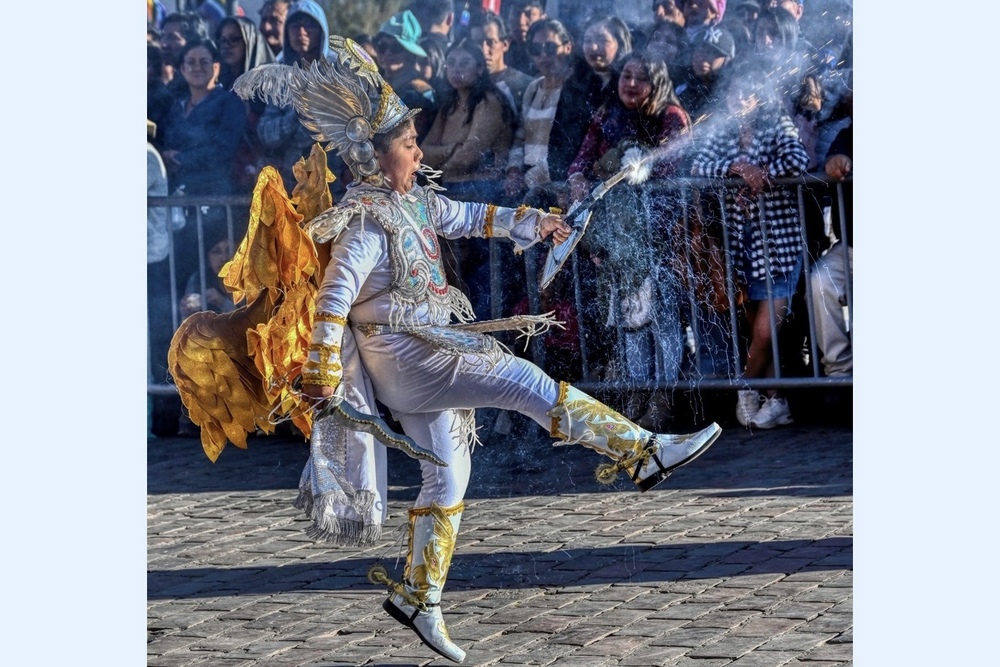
472,132
780,53
775,32
242,47
469,143
606,42
204,126
556,110
635,293
200,141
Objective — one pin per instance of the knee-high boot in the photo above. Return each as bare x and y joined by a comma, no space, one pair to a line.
648,457
416,603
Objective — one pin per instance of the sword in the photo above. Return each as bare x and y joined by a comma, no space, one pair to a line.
578,217
355,420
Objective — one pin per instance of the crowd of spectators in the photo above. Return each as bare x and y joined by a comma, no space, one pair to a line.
523,107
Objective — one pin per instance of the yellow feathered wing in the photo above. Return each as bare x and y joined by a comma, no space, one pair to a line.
234,371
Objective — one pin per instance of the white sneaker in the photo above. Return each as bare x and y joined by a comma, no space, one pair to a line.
747,405
773,413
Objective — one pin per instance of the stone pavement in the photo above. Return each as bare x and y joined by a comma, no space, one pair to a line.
741,559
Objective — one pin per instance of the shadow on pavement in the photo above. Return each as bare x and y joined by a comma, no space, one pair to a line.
524,569
795,460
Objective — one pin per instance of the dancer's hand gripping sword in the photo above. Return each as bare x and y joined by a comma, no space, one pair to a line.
578,217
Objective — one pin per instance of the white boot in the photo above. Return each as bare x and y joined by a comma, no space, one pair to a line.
648,457
416,603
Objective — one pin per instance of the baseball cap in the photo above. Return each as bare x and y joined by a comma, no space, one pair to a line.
406,29
717,39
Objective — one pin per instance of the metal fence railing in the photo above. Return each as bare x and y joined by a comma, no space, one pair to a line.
818,199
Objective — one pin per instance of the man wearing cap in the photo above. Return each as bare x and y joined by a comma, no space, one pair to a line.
713,49
400,57
740,21
436,18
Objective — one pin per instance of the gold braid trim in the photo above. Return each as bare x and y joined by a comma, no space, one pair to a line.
327,371
554,431
383,106
519,212
448,511
330,317
491,211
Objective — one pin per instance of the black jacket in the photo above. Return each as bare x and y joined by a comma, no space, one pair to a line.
579,100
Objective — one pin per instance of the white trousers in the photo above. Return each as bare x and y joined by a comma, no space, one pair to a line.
828,282
427,388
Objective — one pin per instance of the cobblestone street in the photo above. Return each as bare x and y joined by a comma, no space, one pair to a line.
743,559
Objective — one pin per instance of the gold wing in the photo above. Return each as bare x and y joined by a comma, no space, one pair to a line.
233,371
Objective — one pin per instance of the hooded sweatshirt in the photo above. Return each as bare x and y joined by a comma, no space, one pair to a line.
257,51
287,55
282,137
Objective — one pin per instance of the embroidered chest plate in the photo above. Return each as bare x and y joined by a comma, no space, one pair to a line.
418,275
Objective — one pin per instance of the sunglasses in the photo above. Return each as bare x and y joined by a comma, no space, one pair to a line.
548,48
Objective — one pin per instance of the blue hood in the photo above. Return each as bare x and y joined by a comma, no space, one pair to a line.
313,9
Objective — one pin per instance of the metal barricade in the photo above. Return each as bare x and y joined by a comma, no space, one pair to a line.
235,220
198,213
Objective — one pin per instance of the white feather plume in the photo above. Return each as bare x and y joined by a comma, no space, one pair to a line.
323,98
271,82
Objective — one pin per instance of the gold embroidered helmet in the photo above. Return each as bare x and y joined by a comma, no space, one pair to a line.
343,102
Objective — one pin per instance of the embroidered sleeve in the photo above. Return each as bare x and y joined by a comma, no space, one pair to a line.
457,219
520,225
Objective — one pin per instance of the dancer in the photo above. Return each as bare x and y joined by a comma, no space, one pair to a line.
382,328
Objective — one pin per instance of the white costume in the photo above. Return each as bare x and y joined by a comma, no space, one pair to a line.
388,325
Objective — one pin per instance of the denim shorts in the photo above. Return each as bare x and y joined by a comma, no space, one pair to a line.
782,287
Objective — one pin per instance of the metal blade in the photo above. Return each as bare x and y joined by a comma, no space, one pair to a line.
374,425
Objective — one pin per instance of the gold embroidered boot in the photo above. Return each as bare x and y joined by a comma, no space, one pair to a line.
648,457
416,603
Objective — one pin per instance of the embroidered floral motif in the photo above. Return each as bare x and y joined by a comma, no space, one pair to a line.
418,276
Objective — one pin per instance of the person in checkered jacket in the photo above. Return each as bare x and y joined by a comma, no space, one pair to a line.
755,141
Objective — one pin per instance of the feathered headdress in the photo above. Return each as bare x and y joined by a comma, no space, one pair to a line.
343,102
